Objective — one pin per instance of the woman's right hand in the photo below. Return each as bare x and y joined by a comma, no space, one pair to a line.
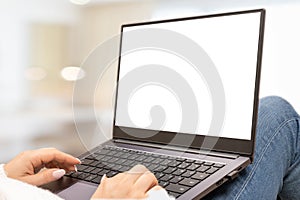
133,184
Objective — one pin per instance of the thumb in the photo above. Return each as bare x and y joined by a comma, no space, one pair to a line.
45,176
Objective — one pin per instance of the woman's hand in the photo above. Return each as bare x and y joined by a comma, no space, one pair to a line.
38,167
133,184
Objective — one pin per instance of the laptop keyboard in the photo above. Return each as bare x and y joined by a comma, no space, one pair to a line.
176,174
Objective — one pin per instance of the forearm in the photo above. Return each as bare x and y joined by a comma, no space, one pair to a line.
12,189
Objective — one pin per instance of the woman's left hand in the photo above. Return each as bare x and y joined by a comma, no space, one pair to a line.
38,167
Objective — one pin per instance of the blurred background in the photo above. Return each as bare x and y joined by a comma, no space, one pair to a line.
44,42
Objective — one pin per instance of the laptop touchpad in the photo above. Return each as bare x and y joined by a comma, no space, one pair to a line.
80,191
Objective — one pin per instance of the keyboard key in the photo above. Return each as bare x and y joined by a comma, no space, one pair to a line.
176,179
178,172
160,168
188,174
97,180
125,155
111,153
133,157
134,163
104,171
193,166
141,158
177,188
81,168
152,167
90,177
203,168
169,170
69,173
212,170
149,159
200,176
171,158
218,165
89,169
208,163
155,155
189,182
118,168
163,157
180,159
82,175
174,194
99,157
113,160
86,161
128,163
157,161
92,157
105,158
183,165
96,171
166,177
174,163
101,165
119,154
124,169
120,161
111,174
102,152
165,162
94,164
74,175
163,183
159,175
111,166
199,162
189,160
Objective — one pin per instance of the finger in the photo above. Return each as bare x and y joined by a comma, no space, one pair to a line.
134,174
157,192
61,166
46,155
145,182
155,188
52,165
44,176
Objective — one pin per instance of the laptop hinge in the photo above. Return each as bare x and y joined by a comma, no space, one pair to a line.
176,148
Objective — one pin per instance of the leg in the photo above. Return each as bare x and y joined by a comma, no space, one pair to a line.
276,168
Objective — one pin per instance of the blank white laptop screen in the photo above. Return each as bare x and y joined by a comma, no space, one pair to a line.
231,42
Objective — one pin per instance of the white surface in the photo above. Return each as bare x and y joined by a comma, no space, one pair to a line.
231,42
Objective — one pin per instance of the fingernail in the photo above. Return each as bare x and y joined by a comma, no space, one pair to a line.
79,160
103,177
59,173
75,168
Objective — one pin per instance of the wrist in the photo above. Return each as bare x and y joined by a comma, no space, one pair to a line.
3,172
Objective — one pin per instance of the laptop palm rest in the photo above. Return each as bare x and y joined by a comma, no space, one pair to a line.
78,191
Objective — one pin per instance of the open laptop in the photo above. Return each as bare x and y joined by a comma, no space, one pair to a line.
186,105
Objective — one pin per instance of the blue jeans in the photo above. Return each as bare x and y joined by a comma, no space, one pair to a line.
275,172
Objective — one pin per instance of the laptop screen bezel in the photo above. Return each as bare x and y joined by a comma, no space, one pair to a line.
222,144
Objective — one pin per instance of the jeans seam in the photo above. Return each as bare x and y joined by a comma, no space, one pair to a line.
263,152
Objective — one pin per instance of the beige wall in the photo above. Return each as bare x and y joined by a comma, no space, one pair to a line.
101,22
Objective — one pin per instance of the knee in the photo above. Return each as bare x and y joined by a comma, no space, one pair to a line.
275,107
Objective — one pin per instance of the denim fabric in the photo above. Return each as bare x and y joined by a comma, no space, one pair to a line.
275,172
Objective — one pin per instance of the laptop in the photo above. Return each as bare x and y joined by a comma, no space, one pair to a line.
186,105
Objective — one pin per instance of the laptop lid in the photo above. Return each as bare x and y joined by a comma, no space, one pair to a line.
191,82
